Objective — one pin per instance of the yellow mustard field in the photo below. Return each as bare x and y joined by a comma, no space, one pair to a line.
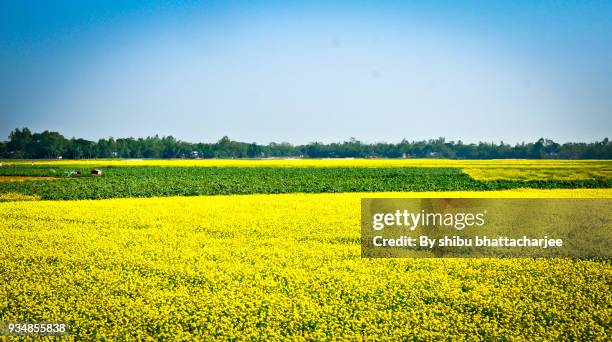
331,162
277,266
535,172
18,179
12,196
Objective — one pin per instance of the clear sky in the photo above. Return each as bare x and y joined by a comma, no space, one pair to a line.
308,71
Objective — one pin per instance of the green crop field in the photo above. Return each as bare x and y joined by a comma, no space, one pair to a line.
148,181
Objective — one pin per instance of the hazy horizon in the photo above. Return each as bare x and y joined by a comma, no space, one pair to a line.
269,71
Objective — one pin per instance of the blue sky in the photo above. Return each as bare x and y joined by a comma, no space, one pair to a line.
308,71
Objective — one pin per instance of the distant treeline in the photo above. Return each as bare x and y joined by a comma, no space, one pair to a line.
23,144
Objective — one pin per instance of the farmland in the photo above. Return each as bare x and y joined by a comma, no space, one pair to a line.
181,178
599,167
275,253
275,266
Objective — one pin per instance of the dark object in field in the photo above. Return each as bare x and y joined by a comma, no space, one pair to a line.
96,172
74,173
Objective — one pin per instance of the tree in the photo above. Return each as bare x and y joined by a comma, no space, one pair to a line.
19,143
254,150
23,143
46,145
